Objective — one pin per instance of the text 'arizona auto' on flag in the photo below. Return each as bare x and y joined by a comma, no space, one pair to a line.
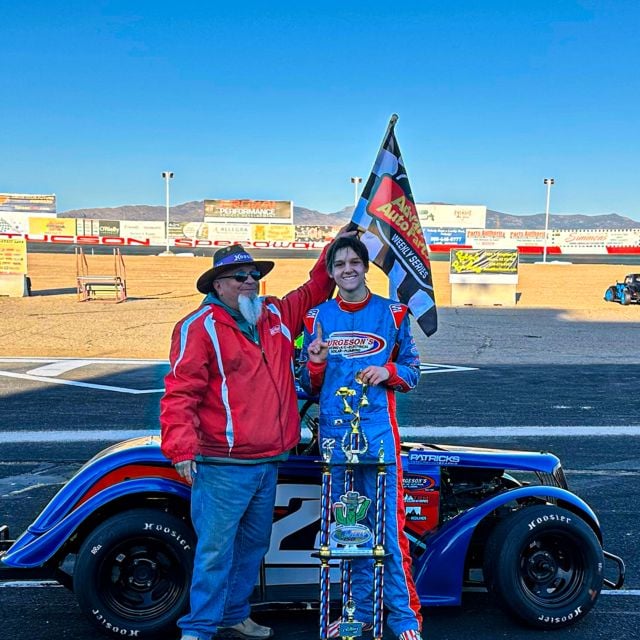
387,215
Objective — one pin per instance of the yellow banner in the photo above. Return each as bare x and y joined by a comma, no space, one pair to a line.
13,256
52,226
469,261
271,232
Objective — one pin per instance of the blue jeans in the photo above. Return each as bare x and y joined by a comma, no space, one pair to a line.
232,512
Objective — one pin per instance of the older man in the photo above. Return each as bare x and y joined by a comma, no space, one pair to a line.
228,416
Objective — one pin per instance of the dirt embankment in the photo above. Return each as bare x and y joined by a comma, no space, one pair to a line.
162,290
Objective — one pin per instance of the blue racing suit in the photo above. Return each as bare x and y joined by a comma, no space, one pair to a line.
373,332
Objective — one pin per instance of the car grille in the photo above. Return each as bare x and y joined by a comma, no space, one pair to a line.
555,479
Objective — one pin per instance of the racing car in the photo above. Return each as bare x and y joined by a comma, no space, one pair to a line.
118,534
626,291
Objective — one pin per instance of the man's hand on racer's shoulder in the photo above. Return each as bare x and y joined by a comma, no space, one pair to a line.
347,231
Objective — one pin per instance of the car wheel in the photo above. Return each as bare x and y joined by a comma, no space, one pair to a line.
610,294
544,566
133,572
625,298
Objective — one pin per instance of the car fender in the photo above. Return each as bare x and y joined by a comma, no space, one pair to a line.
34,549
135,458
439,571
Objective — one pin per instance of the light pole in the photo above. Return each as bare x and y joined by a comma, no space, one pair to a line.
548,182
167,175
356,181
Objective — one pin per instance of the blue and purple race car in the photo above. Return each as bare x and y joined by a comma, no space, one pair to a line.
119,534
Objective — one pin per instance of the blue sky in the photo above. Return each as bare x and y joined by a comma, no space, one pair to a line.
288,100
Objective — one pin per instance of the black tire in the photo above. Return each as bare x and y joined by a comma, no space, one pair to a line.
610,294
133,572
544,565
309,419
625,298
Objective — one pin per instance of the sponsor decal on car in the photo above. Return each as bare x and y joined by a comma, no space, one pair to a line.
418,482
433,458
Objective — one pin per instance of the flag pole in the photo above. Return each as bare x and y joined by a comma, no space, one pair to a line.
390,127
352,226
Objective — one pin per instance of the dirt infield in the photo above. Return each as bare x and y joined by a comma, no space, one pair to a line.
162,289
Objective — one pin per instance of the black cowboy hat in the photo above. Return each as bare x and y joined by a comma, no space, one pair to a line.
227,258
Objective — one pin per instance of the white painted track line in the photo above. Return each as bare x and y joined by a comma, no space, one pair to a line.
74,383
408,434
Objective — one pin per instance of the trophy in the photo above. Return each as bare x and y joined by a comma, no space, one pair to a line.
351,537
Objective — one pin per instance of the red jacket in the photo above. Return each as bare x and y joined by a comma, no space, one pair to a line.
226,396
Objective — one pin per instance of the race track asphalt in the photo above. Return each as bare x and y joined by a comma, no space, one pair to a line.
527,379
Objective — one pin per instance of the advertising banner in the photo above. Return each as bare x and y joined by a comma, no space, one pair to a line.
452,215
483,261
280,211
195,230
444,236
286,232
143,229
57,226
28,203
504,238
522,237
13,256
489,238
229,231
314,232
623,238
87,227
13,223
109,228
588,241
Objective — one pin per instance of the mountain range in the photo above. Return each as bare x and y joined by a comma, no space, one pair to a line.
194,211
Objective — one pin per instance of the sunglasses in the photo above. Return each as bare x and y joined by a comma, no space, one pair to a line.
242,276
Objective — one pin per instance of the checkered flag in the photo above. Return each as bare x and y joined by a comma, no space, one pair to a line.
387,216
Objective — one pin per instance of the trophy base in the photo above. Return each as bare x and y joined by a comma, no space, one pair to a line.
351,552
350,629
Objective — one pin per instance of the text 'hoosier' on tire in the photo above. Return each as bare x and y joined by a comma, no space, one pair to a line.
544,565
133,572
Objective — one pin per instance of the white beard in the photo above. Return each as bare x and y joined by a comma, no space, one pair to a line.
250,308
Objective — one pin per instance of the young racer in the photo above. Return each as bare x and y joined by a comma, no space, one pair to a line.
363,336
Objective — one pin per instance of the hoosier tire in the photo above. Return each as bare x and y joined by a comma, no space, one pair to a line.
133,572
544,566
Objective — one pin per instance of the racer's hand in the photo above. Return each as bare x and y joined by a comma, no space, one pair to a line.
186,469
318,349
373,375
347,231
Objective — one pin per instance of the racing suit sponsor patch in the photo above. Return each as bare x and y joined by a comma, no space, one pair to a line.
398,312
310,320
355,344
